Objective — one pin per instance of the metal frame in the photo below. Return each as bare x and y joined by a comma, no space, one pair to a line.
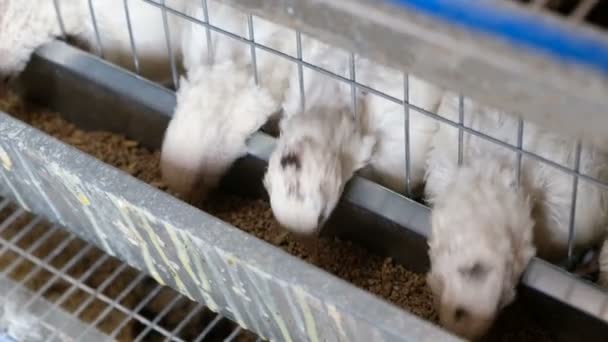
59,322
382,220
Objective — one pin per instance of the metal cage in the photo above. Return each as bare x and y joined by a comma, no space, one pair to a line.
277,296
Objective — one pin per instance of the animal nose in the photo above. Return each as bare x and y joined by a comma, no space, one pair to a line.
460,314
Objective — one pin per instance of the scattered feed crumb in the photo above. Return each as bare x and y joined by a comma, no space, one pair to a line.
380,276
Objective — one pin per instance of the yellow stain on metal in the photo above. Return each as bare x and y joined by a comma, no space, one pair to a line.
83,199
6,161
335,315
76,187
131,231
173,268
309,320
282,326
202,276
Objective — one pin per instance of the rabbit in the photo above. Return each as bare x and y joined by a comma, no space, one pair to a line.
25,25
320,147
487,222
218,107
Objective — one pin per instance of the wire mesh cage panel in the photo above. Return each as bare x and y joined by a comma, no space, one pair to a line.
72,291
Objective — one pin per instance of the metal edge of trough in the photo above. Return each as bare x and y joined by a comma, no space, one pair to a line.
383,221
261,287
539,87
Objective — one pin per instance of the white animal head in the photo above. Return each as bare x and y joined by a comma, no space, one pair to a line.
306,177
481,243
304,181
218,109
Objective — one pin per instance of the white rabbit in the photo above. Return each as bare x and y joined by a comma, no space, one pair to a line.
318,151
486,226
27,24
218,108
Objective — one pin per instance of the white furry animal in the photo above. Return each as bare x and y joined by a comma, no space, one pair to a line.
27,24
217,113
485,228
318,151
386,121
218,108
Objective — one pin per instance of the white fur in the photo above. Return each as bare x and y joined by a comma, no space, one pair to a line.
481,215
218,108
386,120
319,149
27,24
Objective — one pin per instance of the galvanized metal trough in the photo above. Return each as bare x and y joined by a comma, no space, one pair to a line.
276,295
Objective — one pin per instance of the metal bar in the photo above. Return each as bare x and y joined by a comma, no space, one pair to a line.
131,38
353,88
254,60
135,310
198,308
571,232
3,204
233,334
169,47
83,287
582,10
208,31
520,142
9,269
406,113
441,119
63,269
76,286
462,56
159,316
460,125
96,29
113,305
59,18
22,232
300,71
11,219
208,328
107,282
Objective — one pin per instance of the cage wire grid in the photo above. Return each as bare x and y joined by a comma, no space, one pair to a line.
577,11
75,291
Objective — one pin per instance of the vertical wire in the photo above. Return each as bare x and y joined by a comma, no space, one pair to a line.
59,18
460,131
169,47
520,143
210,53
131,37
406,113
353,87
96,29
254,60
577,163
300,71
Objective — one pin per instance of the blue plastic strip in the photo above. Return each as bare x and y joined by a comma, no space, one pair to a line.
519,28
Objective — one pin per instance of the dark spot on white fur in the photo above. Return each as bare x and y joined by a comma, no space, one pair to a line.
460,314
478,271
290,159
